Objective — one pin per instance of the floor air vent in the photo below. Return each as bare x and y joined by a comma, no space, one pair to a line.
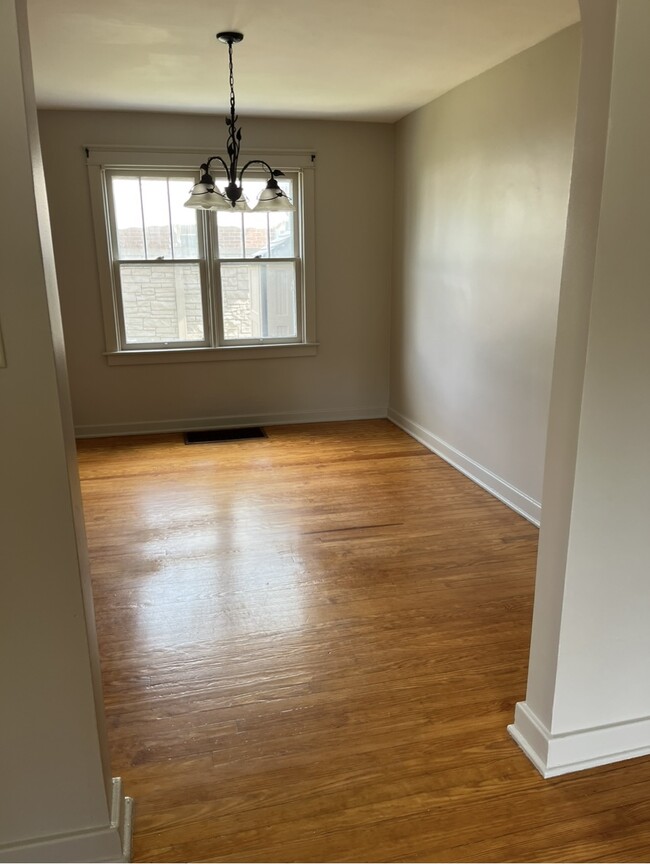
210,436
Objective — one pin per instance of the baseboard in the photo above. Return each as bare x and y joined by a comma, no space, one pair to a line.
112,843
492,483
228,421
554,755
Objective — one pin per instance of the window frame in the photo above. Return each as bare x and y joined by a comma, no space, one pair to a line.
102,162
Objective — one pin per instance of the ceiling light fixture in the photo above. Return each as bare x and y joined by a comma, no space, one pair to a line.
205,195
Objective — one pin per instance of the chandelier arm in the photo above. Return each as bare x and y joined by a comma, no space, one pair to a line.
272,173
211,159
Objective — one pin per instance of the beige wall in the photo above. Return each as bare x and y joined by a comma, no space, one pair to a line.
349,376
55,779
482,184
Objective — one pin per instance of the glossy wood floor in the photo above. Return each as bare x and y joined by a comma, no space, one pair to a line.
311,648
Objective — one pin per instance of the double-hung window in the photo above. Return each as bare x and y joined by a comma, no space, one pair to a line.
258,263
158,254
177,281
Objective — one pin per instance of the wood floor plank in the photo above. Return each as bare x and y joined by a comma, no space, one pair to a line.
311,646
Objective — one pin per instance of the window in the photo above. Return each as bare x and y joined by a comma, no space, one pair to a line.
158,254
183,282
258,262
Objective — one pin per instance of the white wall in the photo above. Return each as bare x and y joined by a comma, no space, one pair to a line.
348,377
482,183
55,780
588,698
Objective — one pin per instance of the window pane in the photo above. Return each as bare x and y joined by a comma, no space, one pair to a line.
169,229
231,237
128,217
155,207
185,235
259,300
162,303
281,235
256,235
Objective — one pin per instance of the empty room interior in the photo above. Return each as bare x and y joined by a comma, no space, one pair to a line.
324,430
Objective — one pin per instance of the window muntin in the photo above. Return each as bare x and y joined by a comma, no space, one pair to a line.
186,278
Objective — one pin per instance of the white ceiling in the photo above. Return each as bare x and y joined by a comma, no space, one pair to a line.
345,59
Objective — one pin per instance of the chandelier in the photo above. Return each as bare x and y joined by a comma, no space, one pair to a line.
205,195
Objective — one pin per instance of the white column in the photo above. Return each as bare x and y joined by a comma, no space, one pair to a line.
588,697
57,802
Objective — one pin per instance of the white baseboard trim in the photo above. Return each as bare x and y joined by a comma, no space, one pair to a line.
554,755
226,421
109,844
492,483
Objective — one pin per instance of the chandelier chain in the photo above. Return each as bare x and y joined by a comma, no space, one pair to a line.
205,194
234,135
232,82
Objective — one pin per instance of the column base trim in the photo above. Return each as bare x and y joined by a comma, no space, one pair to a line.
109,844
554,755
122,818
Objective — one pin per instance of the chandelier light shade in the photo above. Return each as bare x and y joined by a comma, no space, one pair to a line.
205,195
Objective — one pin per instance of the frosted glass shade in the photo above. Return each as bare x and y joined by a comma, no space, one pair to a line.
204,197
242,206
272,200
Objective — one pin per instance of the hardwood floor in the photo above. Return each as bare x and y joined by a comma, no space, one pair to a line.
311,647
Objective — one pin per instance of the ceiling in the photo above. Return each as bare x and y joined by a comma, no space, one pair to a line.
343,59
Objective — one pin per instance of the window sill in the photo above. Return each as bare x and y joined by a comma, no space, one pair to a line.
209,355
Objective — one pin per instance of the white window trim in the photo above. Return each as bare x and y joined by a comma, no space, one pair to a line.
100,158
